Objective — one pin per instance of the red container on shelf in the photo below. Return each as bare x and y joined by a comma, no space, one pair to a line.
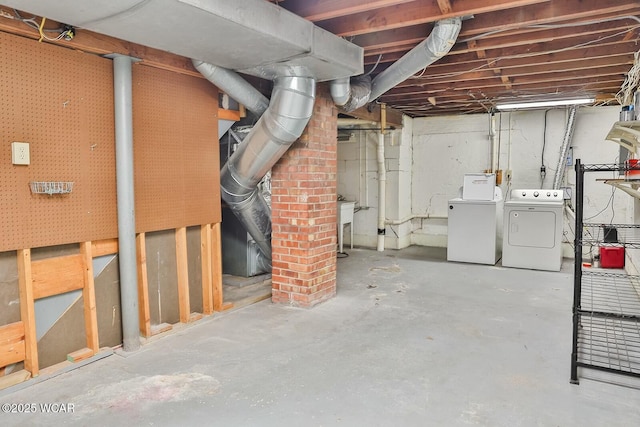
611,257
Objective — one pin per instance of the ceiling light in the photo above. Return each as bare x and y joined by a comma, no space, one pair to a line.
542,104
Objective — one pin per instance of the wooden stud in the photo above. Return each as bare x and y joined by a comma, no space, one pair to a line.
78,355
143,286
104,247
27,311
182,266
89,298
216,267
207,273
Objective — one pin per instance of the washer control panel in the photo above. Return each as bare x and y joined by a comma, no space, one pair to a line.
538,195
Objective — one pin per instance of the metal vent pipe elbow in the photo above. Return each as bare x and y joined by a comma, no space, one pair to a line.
438,44
350,93
280,126
233,85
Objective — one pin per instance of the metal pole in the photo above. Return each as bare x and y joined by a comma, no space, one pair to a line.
577,272
122,88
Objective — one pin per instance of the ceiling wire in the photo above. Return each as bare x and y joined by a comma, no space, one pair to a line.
527,55
552,26
631,81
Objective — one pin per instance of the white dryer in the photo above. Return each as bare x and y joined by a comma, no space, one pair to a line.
532,235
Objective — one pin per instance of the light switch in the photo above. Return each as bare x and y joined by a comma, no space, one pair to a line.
20,153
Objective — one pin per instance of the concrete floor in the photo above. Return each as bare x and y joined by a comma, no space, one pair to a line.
410,340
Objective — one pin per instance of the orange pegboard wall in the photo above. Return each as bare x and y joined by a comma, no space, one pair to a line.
176,154
60,101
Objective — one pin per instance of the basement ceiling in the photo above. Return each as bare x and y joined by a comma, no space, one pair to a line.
508,50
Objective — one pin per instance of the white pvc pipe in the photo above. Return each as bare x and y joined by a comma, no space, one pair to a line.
122,87
382,188
410,217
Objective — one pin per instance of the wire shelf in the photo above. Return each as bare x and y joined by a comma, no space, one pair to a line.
610,344
627,235
611,293
51,187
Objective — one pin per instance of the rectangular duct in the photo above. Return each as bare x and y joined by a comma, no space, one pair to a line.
251,36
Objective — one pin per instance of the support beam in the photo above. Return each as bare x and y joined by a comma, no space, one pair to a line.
372,113
122,86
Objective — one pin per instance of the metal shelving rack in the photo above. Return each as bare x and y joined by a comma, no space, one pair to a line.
606,305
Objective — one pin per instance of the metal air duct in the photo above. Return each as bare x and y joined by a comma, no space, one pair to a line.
280,126
438,44
233,85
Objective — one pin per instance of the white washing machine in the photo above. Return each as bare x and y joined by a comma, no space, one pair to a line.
474,231
533,230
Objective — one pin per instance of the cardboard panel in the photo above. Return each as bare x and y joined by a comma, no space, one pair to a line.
9,293
162,277
177,166
60,102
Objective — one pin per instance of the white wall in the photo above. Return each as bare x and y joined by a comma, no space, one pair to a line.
427,160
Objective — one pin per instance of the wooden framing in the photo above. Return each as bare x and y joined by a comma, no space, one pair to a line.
207,272
57,275
89,298
143,286
54,276
182,267
216,262
104,247
12,343
27,311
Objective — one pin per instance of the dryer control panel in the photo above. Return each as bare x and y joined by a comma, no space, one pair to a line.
538,195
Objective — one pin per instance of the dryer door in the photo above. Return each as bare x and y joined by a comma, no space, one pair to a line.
532,227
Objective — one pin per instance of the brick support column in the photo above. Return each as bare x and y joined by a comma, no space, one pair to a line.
303,202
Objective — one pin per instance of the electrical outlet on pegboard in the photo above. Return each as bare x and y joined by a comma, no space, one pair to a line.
20,153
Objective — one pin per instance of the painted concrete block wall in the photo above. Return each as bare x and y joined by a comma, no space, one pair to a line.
452,146
358,181
427,162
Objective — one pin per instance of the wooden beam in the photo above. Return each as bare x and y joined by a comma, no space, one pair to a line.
228,114
445,6
104,247
89,298
143,286
53,276
12,346
329,9
372,113
99,44
14,378
182,265
415,13
216,266
207,271
27,311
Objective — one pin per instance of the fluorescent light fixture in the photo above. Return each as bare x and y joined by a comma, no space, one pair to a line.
542,104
